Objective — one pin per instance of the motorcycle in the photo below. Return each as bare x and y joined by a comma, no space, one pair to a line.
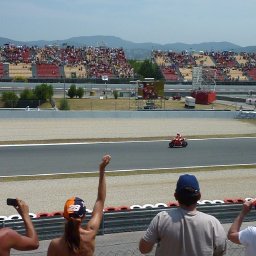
178,143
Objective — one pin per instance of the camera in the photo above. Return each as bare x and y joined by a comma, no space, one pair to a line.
12,201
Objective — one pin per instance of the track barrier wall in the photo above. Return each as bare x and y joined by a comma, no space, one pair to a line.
33,113
129,221
246,115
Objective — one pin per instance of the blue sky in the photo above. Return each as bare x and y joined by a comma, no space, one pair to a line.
158,21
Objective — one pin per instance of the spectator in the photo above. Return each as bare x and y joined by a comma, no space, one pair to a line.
10,239
184,231
247,236
77,240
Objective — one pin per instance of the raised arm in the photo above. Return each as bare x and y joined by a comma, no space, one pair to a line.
233,233
97,213
30,240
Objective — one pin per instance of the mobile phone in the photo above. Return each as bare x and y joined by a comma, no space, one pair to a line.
11,201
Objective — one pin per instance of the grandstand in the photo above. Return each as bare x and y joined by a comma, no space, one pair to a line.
47,71
55,62
224,66
252,73
170,74
20,70
186,73
240,59
1,70
76,71
237,75
203,60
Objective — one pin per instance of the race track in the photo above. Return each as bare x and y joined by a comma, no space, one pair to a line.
69,158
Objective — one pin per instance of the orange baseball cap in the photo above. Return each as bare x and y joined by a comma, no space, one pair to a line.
74,208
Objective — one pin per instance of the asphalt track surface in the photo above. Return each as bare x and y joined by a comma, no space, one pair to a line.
70,158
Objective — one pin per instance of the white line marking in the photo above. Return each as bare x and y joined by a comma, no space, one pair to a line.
130,170
113,142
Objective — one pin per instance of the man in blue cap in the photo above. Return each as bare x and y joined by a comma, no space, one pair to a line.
185,231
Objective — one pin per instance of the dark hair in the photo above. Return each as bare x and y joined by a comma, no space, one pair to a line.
187,196
72,235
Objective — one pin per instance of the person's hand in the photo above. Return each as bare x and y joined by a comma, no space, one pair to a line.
247,206
105,161
22,208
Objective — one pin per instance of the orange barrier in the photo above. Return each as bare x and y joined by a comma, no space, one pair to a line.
59,213
49,214
172,204
234,200
111,209
119,208
124,208
43,215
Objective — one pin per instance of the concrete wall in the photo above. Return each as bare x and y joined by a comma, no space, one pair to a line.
22,113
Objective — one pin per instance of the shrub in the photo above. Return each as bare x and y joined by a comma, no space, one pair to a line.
28,98
80,92
43,92
20,79
10,99
64,104
27,94
115,93
72,91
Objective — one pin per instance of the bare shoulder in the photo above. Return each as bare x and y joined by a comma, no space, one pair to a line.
56,247
7,237
57,241
7,232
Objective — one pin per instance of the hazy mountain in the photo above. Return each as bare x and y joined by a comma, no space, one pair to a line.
133,50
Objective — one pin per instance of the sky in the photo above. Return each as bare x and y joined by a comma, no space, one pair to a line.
156,21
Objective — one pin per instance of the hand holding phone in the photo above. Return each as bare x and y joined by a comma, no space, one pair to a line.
12,202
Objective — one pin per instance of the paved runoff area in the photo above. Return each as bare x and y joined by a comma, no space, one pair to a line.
50,195
89,128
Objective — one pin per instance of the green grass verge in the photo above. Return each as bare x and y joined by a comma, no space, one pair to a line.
127,173
110,103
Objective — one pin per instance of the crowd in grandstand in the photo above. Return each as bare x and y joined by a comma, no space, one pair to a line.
97,61
94,62
227,65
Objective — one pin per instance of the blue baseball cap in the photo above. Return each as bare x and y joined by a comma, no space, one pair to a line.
188,183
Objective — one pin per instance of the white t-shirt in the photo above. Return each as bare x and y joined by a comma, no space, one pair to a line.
247,237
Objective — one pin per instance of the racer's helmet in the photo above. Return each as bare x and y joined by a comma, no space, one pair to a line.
178,134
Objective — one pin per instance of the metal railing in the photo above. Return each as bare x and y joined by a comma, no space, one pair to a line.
129,221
